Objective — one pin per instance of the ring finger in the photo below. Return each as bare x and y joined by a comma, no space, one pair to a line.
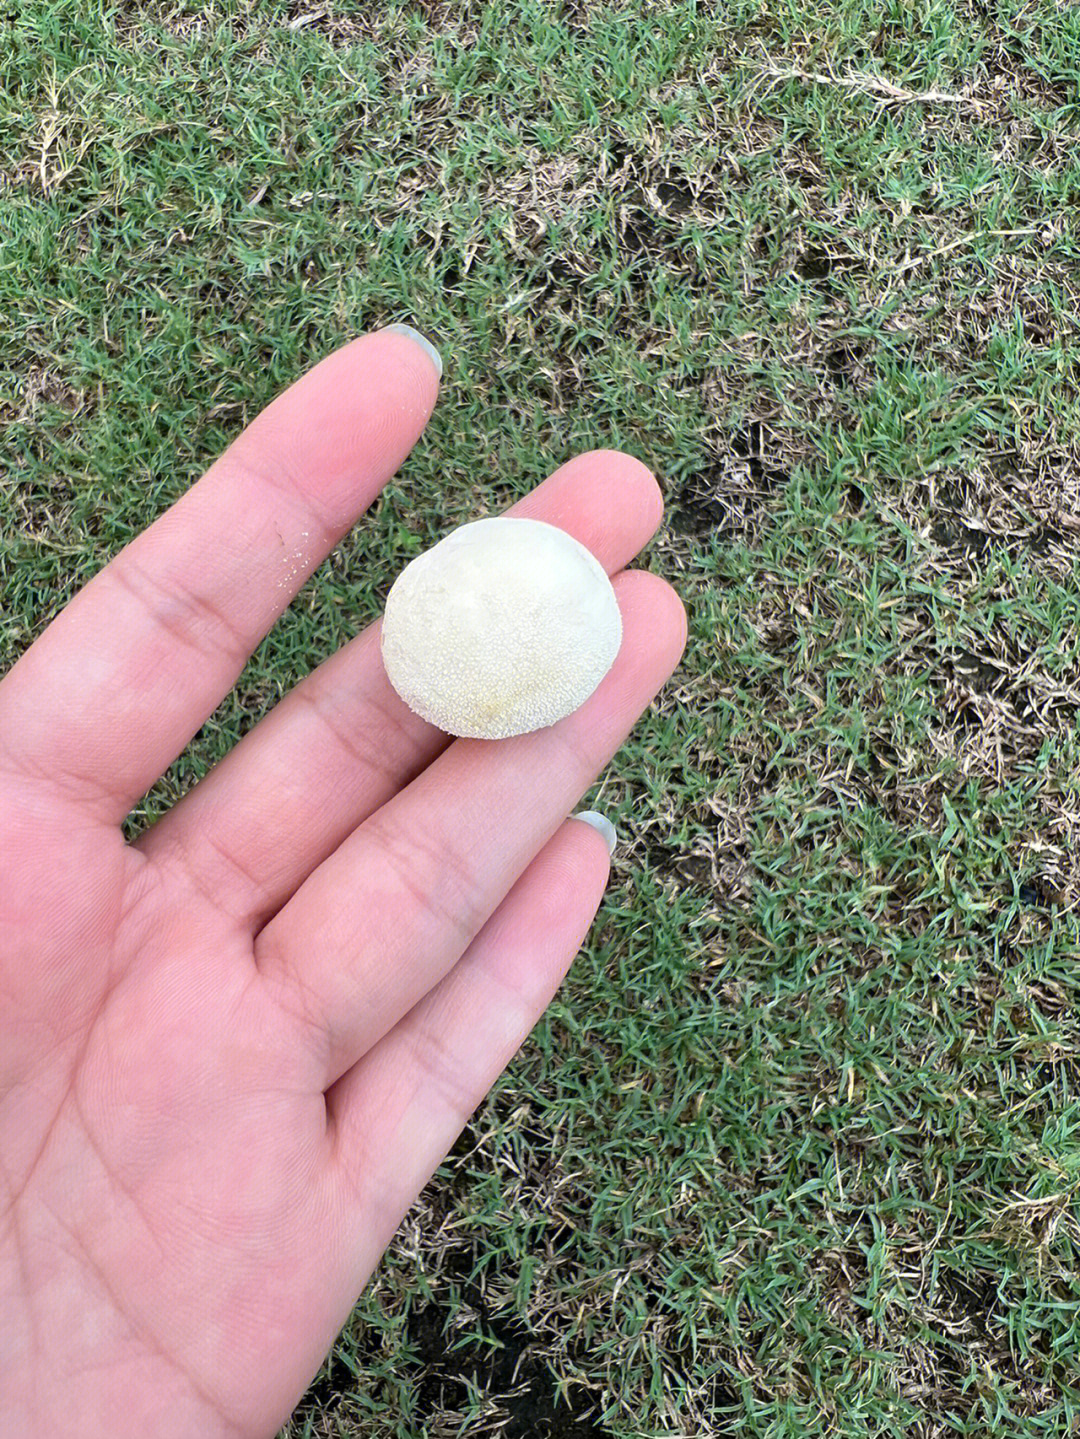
395,906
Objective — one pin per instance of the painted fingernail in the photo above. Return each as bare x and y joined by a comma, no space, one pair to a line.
602,825
418,339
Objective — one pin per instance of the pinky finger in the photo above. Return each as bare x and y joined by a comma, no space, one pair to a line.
395,1114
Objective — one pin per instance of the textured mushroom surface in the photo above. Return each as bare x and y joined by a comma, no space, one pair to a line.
505,626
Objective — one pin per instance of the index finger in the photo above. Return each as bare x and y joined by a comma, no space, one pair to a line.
126,674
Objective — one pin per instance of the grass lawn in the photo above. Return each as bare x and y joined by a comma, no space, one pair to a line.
796,1153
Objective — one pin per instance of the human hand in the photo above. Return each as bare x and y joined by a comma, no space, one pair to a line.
233,1052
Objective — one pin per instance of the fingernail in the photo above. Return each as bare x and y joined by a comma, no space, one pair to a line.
418,339
602,825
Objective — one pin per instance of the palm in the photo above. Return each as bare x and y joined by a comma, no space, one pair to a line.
172,1092
232,1053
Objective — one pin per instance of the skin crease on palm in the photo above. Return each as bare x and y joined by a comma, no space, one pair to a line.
233,1052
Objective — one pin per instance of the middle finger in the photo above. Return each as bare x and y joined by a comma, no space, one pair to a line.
341,743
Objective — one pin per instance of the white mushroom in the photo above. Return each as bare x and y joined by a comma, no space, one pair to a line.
505,626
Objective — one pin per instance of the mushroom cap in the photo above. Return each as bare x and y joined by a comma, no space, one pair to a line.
505,626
